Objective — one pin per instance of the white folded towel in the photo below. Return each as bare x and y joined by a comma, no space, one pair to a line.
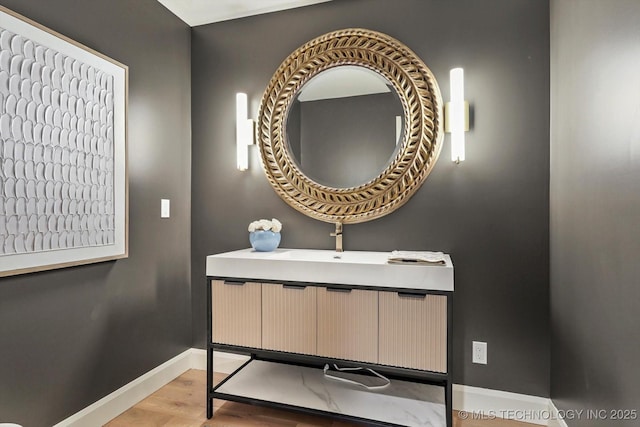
416,257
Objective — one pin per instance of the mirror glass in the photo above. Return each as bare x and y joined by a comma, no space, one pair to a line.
345,126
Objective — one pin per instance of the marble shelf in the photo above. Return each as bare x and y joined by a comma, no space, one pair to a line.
401,403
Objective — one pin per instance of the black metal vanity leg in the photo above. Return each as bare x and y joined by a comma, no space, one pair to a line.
209,354
449,388
449,403
209,381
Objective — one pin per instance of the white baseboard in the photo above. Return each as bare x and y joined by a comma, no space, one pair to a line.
112,405
555,419
472,400
224,363
199,359
486,403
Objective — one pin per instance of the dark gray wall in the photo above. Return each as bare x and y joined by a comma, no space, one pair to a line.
595,207
490,213
69,337
337,133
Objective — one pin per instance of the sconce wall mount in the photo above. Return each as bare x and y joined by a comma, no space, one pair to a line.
244,132
456,113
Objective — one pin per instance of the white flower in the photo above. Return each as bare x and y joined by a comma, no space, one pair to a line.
266,225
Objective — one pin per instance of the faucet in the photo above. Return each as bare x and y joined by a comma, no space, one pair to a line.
338,236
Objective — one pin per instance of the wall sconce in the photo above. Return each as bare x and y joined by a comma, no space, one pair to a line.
457,114
244,132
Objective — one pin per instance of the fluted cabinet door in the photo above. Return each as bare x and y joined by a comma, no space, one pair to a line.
236,313
289,318
413,331
348,324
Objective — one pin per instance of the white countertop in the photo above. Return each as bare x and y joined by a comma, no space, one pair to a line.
358,268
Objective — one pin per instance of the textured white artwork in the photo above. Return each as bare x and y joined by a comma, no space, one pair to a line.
61,145
56,147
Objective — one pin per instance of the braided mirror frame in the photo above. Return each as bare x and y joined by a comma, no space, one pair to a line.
423,126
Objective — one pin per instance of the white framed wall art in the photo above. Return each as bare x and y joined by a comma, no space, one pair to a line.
63,151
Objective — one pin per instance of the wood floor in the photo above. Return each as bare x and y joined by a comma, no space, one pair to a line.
181,403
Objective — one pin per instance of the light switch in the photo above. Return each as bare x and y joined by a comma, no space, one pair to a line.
165,208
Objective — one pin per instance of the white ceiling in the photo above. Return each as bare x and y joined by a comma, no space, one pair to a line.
199,12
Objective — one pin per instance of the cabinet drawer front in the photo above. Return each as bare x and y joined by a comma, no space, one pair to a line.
236,313
348,324
289,318
413,331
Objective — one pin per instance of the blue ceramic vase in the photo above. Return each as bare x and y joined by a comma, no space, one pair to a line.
264,241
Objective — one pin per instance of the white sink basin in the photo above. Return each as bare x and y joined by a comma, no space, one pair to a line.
357,268
327,256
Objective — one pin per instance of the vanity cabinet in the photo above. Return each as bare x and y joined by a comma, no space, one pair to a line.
236,308
348,324
416,323
361,312
289,318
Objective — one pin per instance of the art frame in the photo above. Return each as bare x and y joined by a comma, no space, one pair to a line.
63,151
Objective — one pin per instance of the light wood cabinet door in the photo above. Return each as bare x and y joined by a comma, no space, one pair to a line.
236,313
289,318
413,331
348,324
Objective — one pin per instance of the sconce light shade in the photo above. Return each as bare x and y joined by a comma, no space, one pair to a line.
244,132
458,115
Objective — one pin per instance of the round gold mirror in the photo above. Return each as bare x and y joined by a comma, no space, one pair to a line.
319,127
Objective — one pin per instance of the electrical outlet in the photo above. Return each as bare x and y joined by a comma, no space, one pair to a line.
480,352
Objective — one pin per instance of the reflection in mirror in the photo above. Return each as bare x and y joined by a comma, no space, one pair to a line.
345,126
